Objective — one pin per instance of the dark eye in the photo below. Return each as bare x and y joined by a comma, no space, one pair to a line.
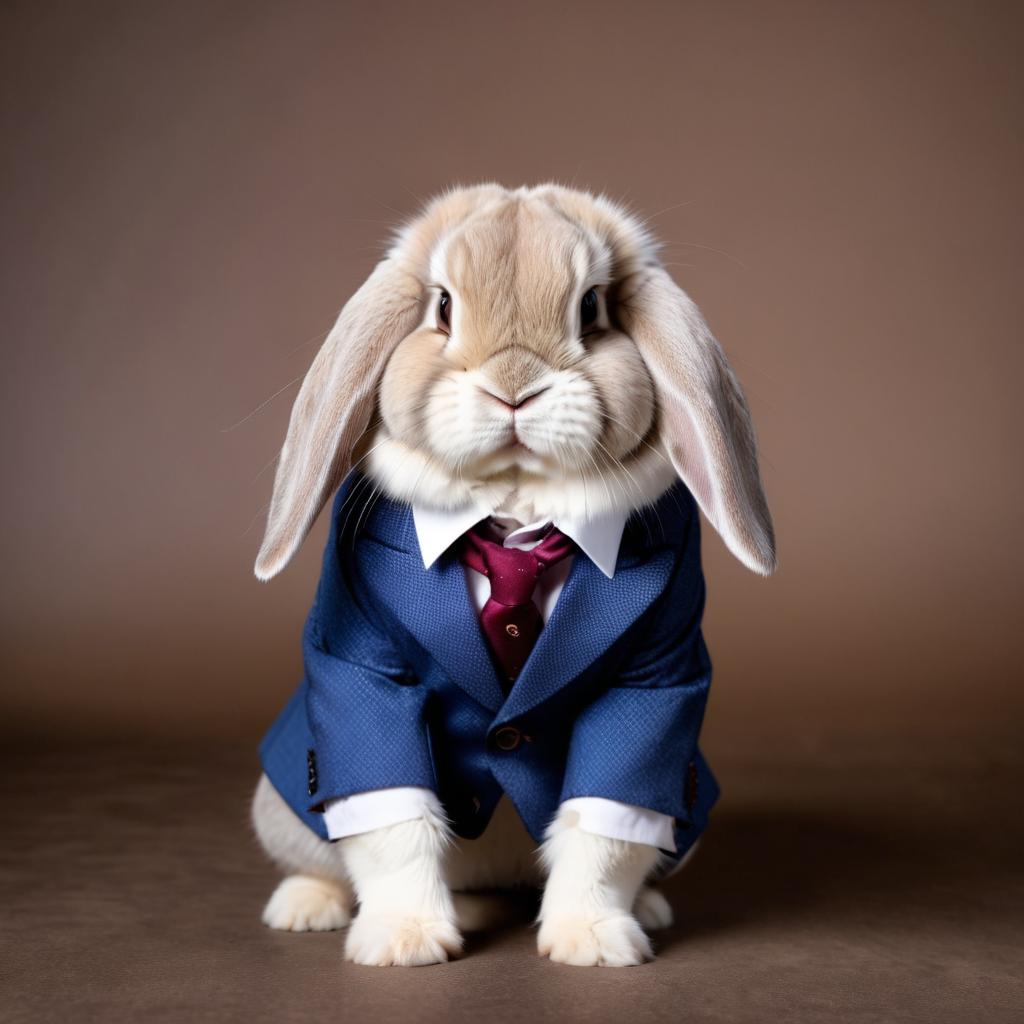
444,312
588,310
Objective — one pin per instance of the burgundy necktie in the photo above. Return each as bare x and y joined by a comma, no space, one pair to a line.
510,620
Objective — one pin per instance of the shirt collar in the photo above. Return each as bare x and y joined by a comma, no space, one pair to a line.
598,537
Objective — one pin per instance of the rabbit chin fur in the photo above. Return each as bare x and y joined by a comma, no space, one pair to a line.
416,886
409,475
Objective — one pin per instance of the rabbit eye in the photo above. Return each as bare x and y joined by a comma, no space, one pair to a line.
588,310
444,312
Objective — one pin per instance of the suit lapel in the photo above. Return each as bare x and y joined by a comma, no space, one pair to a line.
591,614
434,605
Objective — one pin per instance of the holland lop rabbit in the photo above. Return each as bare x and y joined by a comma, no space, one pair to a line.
504,672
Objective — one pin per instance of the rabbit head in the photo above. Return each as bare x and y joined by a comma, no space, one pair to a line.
525,351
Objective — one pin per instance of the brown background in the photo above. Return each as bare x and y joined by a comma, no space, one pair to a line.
191,190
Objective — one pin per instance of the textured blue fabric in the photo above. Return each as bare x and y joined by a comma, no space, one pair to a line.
400,689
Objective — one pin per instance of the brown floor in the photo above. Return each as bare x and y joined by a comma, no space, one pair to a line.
858,882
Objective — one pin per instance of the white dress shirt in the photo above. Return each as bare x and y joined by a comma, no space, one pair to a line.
436,531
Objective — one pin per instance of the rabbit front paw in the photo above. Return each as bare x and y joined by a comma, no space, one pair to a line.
302,903
613,941
389,939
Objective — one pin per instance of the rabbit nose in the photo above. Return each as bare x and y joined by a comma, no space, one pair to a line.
513,375
516,401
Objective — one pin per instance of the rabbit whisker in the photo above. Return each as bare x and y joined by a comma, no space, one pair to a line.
263,404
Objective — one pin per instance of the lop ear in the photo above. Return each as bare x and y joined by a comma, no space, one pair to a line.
705,422
334,406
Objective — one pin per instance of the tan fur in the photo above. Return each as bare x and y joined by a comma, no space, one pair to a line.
601,422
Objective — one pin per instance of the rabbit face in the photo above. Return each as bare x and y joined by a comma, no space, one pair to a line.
516,376
522,349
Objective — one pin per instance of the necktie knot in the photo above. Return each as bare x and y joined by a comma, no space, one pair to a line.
513,573
509,619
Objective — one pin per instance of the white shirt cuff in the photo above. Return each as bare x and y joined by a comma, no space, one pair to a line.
623,821
377,808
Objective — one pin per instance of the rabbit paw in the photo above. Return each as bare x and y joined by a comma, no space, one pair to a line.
391,940
652,910
305,904
616,941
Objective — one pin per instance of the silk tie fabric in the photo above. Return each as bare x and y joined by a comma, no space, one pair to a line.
510,621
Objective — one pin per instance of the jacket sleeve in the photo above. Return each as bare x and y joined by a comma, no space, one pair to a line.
366,711
636,741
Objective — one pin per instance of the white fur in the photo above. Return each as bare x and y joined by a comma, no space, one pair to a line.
415,883
302,903
652,910
406,914
586,916
409,475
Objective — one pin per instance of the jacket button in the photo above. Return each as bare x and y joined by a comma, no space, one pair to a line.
507,738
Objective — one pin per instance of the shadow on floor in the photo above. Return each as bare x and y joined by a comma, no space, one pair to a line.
758,868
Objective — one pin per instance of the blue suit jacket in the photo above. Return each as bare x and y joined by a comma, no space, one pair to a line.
400,689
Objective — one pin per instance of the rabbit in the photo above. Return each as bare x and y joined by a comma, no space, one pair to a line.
520,356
